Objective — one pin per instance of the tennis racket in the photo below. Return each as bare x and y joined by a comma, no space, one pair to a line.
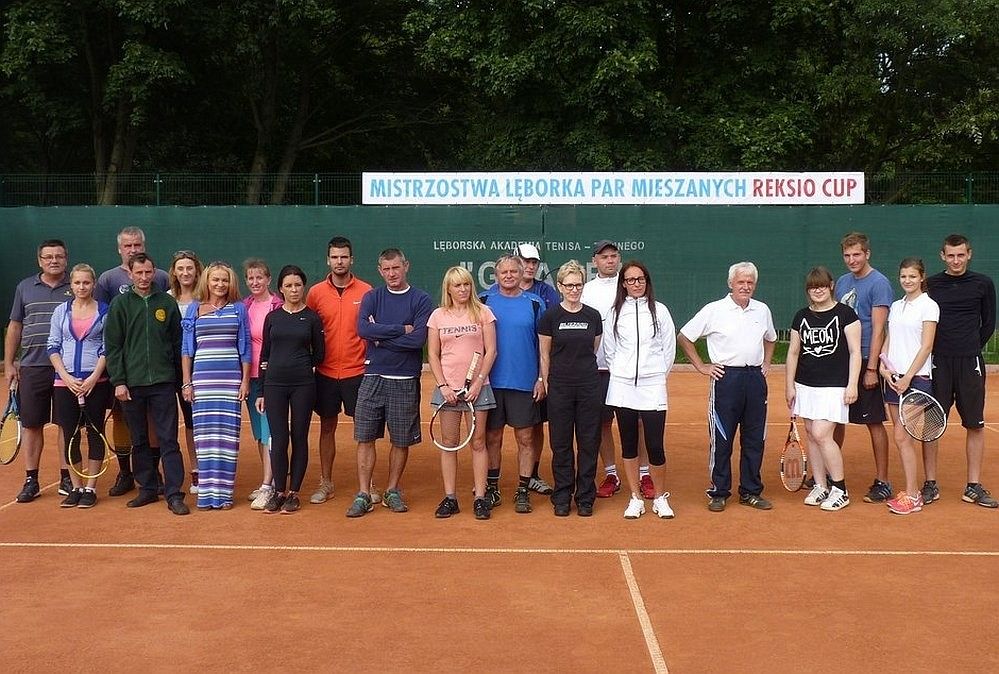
921,414
87,444
121,438
793,460
451,429
10,428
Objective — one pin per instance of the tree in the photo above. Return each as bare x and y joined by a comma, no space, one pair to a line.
102,56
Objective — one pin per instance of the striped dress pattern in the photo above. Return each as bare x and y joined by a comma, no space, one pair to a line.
220,348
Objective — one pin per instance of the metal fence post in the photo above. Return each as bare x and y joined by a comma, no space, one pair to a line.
157,181
969,181
315,189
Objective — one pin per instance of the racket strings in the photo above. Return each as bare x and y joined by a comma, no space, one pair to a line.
922,416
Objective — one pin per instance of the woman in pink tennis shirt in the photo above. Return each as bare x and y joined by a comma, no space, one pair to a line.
461,326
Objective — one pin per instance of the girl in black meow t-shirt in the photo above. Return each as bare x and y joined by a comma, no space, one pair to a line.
823,367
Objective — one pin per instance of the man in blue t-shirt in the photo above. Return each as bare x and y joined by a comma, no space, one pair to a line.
515,376
868,292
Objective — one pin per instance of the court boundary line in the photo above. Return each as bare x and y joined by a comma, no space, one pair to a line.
648,632
40,492
500,551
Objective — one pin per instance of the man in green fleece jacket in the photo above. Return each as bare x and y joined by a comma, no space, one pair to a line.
142,346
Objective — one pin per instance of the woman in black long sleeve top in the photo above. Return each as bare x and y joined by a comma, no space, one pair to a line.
292,348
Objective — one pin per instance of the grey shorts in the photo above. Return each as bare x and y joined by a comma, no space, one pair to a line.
385,402
486,400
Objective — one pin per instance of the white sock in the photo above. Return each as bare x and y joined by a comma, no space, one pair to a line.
611,469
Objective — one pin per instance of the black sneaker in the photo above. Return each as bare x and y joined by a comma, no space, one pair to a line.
72,499
291,504
562,509
879,492
584,509
493,496
482,509
29,492
755,501
930,492
976,493
447,507
716,504
88,499
274,503
65,486
522,501
123,484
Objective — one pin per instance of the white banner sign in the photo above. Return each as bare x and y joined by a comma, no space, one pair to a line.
653,187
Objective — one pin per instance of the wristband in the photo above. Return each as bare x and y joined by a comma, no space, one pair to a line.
872,369
441,385
187,385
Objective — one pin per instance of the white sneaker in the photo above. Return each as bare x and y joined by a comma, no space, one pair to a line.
837,500
263,495
661,507
635,509
816,496
323,493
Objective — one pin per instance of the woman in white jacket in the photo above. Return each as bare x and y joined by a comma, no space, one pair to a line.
640,345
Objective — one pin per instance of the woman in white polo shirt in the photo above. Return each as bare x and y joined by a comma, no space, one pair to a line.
912,326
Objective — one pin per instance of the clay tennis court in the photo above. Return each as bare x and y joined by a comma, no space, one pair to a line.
792,589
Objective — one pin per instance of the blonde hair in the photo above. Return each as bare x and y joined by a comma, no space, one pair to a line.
456,276
84,268
201,294
198,269
571,267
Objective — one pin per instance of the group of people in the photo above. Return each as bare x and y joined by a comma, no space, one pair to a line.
147,342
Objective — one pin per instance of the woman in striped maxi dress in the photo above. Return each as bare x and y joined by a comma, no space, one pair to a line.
216,363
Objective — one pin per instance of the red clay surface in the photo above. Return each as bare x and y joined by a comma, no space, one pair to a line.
116,589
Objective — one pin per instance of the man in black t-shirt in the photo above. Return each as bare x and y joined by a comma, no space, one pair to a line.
967,303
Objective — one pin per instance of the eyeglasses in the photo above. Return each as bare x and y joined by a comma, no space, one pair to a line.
220,263
181,254
635,280
571,286
51,258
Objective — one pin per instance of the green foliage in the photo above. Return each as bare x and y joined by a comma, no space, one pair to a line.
872,85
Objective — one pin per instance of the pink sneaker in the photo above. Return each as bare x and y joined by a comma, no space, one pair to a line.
903,504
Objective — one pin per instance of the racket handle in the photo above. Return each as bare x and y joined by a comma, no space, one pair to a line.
81,400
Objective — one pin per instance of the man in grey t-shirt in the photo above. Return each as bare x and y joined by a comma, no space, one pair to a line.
35,298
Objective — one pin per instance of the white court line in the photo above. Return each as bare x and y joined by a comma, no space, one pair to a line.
651,642
504,551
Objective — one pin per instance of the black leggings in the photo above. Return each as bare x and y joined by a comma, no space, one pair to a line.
277,401
67,414
655,426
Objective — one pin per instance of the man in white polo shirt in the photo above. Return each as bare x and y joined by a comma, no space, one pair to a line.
741,337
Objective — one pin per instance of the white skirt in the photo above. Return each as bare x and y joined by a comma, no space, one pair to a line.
823,403
649,395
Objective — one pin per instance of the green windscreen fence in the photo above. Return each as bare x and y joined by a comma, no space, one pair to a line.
687,248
